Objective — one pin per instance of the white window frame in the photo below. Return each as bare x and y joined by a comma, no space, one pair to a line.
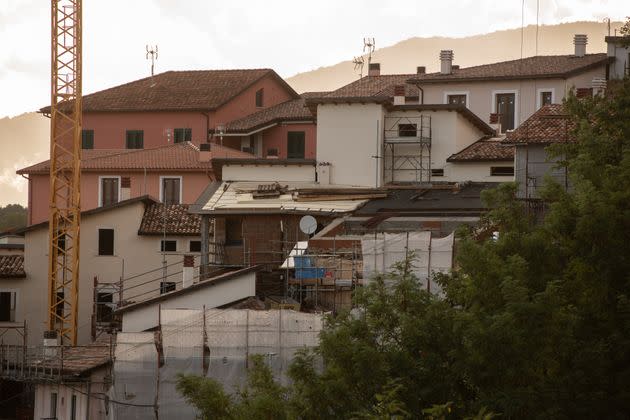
16,300
181,187
168,239
458,92
539,94
100,187
517,110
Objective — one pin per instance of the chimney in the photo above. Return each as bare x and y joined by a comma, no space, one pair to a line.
125,188
188,272
446,61
323,173
580,41
599,85
204,152
421,70
399,95
374,69
51,342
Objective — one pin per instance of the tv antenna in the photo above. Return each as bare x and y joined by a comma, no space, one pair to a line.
369,44
153,52
358,65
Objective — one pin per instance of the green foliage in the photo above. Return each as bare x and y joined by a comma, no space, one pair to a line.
261,398
13,216
534,323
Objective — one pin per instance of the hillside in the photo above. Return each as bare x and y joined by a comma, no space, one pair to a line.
23,141
405,56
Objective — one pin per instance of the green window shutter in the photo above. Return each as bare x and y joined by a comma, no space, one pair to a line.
87,139
179,135
135,139
188,134
296,145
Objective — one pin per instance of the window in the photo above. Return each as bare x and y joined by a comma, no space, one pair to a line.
437,172
194,246
167,286
502,170
505,106
407,130
183,134
171,190
167,245
53,405
73,408
106,242
135,139
87,139
545,98
233,232
295,145
459,99
7,306
104,301
109,190
259,98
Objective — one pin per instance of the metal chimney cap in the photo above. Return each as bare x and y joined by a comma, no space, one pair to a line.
580,39
446,55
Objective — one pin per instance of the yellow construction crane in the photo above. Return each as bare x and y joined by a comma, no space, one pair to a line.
65,172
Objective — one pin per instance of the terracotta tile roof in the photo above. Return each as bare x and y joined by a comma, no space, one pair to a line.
484,150
550,124
12,266
294,110
548,66
375,87
197,90
175,218
181,156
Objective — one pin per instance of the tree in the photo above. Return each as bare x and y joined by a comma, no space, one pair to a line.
534,323
260,398
13,216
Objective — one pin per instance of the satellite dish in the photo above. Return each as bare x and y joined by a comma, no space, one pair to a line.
308,224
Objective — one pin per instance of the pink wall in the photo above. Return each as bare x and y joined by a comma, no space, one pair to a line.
193,184
245,103
276,137
110,127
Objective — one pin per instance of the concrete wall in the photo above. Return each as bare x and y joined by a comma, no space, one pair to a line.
193,184
532,163
481,95
294,173
94,409
622,60
133,255
231,290
348,137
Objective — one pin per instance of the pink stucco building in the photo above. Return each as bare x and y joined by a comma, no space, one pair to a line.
143,137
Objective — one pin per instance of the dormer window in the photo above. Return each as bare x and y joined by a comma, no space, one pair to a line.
259,98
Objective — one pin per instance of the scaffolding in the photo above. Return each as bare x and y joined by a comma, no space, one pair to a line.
407,149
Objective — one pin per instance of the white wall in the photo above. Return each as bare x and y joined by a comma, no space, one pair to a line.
231,290
481,98
348,136
622,60
137,253
474,171
268,173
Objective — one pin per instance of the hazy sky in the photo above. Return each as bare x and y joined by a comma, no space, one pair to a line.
290,36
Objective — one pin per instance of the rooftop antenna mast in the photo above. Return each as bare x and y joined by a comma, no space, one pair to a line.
369,44
153,52
358,65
